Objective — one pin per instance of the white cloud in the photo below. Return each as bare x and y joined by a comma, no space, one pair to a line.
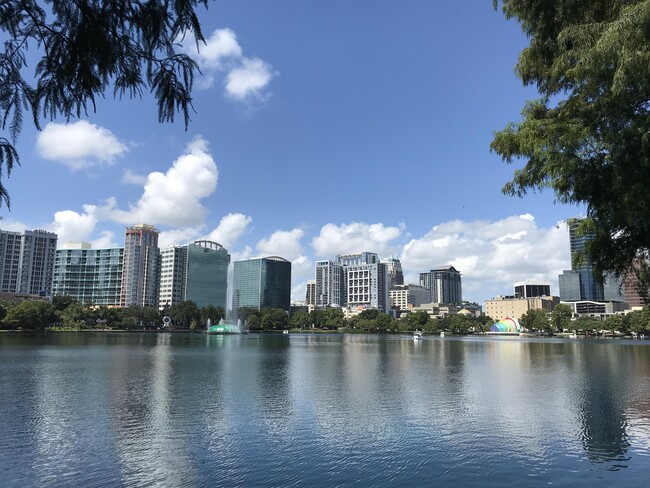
356,237
491,256
230,229
249,79
106,240
132,178
12,225
245,78
282,243
79,145
180,236
173,198
218,48
72,226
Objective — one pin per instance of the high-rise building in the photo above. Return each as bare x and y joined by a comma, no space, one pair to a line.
530,289
262,283
330,290
394,271
365,281
579,283
310,293
90,276
141,269
27,261
445,285
196,272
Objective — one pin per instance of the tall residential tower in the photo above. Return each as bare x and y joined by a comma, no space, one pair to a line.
141,271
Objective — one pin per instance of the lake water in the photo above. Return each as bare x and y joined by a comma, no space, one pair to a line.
116,409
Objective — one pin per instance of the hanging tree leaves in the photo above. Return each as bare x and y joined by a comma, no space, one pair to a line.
588,137
85,47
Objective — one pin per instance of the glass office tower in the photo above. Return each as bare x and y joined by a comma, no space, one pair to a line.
262,283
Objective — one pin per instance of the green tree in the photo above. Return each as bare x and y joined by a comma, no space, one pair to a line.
300,320
274,319
185,314
560,318
212,312
534,319
415,320
61,302
73,315
32,314
588,137
85,48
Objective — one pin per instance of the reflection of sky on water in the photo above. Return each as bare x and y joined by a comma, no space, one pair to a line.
337,409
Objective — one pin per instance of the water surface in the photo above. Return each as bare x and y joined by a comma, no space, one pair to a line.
118,409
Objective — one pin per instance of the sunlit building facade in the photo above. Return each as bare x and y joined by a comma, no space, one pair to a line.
141,268
196,272
27,261
90,276
262,283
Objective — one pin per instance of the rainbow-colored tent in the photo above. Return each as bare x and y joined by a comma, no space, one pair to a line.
506,325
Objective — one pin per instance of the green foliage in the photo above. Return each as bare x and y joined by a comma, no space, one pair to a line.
184,313
560,318
332,318
214,313
31,314
274,319
61,302
588,137
85,48
373,321
300,320
414,321
535,320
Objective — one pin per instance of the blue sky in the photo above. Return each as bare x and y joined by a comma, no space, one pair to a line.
321,127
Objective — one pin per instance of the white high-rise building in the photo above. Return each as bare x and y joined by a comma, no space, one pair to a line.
27,261
329,291
141,269
196,272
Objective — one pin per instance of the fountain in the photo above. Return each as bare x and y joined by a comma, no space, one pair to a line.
230,324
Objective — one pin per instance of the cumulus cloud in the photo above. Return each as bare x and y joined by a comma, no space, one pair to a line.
282,243
179,236
173,198
219,47
106,240
245,78
356,237
132,178
13,225
79,145
491,255
249,79
230,229
72,226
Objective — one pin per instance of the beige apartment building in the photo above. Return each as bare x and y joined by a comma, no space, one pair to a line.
502,307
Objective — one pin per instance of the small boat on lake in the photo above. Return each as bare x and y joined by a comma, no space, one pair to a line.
442,333
417,336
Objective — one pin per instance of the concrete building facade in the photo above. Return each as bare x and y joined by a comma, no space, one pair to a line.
141,268
196,272
27,261
502,307
444,283
90,276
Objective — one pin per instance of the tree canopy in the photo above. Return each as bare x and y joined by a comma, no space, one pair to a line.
588,137
85,47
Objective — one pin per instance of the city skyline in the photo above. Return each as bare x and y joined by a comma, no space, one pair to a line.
318,131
